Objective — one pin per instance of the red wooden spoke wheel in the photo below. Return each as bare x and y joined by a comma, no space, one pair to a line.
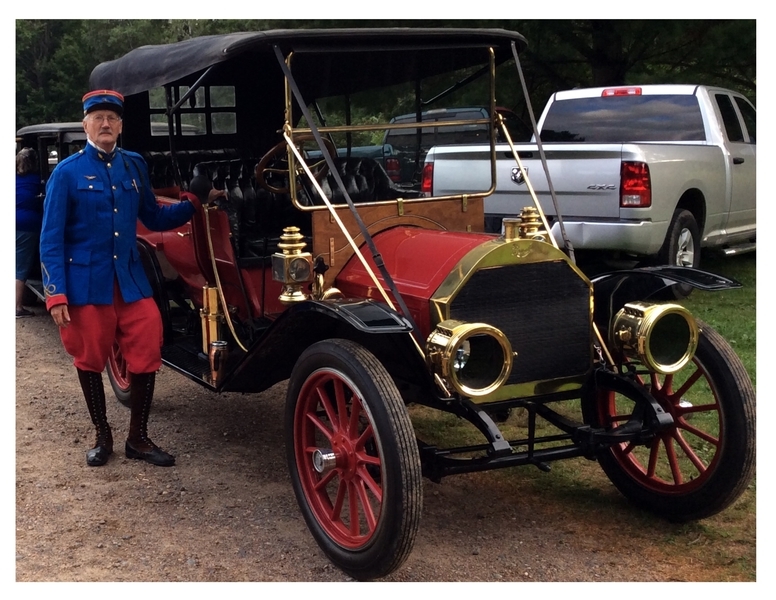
353,458
339,464
118,374
703,462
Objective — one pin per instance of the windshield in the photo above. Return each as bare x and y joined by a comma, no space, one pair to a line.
365,124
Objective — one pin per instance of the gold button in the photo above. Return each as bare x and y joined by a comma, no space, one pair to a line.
91,187
115,257
116,233
115,210
109,165
113,187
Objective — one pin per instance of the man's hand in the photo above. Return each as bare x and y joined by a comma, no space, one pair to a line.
214,194
60,315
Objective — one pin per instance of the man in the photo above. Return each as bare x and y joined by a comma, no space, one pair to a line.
95,286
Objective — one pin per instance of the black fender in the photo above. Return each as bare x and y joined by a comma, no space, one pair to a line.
614,289
381,330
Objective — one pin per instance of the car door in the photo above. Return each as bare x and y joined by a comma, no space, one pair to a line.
739,122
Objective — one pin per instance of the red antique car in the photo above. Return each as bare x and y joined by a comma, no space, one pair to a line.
372,299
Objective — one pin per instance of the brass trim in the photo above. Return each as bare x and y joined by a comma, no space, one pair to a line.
390,126
210,316
498,252
531,389
634,325
442,353
296,163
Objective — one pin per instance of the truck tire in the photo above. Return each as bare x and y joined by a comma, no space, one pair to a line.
682,247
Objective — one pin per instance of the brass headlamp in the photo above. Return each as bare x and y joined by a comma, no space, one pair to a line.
473,359
663,337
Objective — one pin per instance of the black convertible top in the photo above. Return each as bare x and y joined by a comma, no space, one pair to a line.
148,67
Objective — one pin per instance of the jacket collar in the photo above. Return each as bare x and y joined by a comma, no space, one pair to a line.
99,153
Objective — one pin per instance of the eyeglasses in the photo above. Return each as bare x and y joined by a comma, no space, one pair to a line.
112,119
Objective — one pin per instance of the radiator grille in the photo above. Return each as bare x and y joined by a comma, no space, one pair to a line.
542,308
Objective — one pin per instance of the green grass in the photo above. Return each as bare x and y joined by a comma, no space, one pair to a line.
731,312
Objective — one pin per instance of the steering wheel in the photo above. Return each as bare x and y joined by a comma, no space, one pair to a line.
277,157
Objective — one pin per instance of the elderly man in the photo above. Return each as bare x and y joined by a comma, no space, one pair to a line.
96,289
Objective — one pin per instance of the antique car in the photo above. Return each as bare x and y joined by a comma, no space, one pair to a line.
374,300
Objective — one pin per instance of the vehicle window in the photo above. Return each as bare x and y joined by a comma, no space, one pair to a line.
356,123
210,110
375,108
518,130
439,136
729,118
612,119
459,134
750,118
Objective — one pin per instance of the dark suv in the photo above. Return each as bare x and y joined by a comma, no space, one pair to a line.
409,146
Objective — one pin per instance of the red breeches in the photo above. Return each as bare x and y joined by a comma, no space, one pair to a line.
135,326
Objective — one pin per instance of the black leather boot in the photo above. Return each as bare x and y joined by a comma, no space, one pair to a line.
141,393
91,384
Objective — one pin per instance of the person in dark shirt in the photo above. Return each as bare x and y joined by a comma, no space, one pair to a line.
29,217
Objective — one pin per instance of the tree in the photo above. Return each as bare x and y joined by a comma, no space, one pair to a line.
54,57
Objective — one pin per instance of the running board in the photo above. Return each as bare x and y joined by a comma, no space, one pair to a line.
740,249
36,285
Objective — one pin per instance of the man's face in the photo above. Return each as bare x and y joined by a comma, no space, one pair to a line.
103,128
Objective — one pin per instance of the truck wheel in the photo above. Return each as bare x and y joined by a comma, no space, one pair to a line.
682,248
706,459
353,458
118,375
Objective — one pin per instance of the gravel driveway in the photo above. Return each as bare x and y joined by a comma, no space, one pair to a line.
226,511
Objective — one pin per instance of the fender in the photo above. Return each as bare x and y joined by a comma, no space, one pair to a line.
615,289
271,357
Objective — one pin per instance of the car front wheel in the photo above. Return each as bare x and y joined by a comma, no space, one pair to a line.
706,459
353,458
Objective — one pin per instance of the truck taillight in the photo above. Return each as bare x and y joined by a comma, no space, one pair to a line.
635,186
622,91
427,179
393,169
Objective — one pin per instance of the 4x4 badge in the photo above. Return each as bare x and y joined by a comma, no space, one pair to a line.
517,175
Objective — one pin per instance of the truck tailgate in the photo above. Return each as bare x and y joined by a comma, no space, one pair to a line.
586,180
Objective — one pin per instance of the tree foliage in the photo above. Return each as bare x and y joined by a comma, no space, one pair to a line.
55,57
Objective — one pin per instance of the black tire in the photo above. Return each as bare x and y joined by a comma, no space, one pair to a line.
712,440
377,470
682,248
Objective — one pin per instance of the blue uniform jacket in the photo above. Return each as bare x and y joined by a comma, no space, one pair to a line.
88,241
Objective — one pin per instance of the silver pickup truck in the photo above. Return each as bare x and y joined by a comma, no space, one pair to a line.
654,171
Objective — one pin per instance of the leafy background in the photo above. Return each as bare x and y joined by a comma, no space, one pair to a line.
55,57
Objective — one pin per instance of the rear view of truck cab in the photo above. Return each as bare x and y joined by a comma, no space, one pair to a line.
653,172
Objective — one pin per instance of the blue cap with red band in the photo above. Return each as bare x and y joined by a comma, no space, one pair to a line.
103,100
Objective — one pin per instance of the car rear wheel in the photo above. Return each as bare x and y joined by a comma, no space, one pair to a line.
118,375
706,459
353,458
